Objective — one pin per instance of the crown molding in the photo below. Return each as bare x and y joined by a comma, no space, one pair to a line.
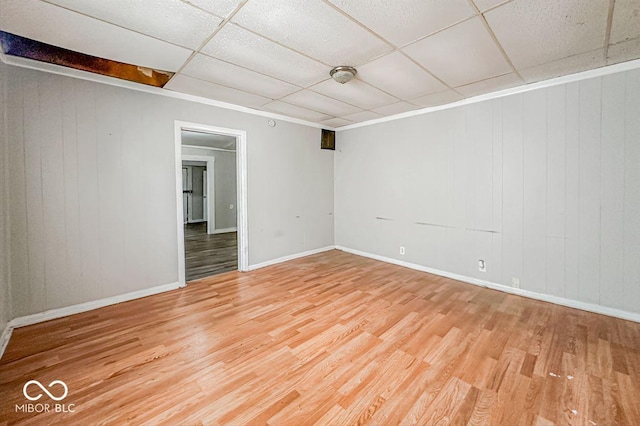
584,75
111,81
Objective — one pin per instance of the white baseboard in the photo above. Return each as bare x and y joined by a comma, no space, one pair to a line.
224,230
4,338
584,306
88,306
290,257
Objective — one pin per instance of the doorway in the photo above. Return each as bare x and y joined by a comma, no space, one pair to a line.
211,195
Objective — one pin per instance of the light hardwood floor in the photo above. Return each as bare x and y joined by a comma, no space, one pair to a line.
330,339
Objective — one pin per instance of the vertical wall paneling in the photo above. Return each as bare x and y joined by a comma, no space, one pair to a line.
612,191
495,269
33,136
534,190
553,172
590,191
19,256
555,190
92,188
632,192
134,205
572,191
111,224
73,279
5,246
512,181
53,202
480,131
88,188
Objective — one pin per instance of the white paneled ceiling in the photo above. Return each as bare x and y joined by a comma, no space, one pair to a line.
275,55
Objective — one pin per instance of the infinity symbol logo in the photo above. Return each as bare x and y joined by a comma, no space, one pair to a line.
35,382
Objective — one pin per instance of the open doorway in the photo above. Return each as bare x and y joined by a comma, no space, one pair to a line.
211,190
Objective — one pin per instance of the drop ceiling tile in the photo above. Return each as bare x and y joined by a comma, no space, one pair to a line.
242,47
397,108
624,51
317,102
216,71
483,5
570,65
219,7
626,21
175,21
490,85
396,74
43,22
362,116
402,22
355,93
312,27
193,86
461,54
295,111
337,122
435,99
537,32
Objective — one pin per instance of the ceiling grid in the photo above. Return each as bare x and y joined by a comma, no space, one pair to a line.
275,55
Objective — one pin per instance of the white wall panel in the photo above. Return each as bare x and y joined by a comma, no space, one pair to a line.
33,137
88,189
612,191
631,292
495,268
572,182
512,184
134,164
111,189
5,246
53,204
555,190
17,195
92,188
73,264
554,172
534,156
589,194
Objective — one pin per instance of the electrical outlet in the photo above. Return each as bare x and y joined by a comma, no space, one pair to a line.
482,266
402,251
515,282
230,206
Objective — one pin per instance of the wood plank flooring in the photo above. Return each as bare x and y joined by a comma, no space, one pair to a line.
208,254
330,339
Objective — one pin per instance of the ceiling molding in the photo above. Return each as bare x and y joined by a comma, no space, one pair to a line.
83,75
111,81
584,75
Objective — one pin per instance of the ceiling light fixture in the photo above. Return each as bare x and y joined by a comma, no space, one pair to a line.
343,73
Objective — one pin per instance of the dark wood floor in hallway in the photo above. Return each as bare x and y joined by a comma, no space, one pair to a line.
330,339
208,254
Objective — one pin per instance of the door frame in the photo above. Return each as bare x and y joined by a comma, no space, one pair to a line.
241,184
211,191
